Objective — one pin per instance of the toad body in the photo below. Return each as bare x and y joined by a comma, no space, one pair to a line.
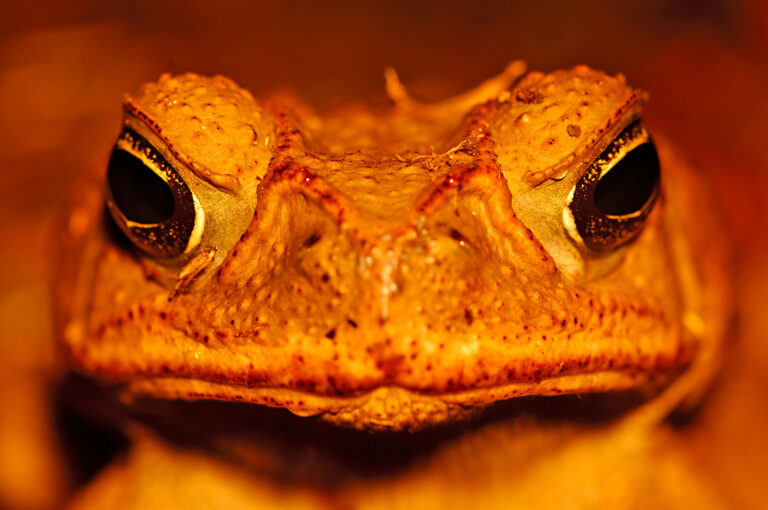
397,266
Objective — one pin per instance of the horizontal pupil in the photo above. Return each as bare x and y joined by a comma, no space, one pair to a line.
628,186
141,195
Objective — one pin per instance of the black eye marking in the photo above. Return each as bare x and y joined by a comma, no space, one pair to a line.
140,194
628,186
612,200
149,200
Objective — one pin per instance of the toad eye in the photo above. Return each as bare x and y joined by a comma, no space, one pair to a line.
149,201
611,201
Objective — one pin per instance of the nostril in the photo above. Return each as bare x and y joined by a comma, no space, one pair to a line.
312,240
457,236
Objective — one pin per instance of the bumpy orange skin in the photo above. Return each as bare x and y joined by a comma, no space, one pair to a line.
385,280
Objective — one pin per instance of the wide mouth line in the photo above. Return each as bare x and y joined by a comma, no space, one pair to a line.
574,382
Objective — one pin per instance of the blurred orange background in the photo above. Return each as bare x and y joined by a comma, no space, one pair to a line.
64,66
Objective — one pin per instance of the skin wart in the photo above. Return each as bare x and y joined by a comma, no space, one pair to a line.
396,267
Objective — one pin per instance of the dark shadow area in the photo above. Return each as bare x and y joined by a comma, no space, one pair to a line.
88,441
291,449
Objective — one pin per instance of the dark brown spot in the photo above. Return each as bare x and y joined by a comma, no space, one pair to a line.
456,235
352,323
331,334
311,240
529,96
468,316
574,130
332,384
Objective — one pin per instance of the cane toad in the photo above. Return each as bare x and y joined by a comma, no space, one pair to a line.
393,266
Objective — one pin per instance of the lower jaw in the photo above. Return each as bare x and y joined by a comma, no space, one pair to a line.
390,407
